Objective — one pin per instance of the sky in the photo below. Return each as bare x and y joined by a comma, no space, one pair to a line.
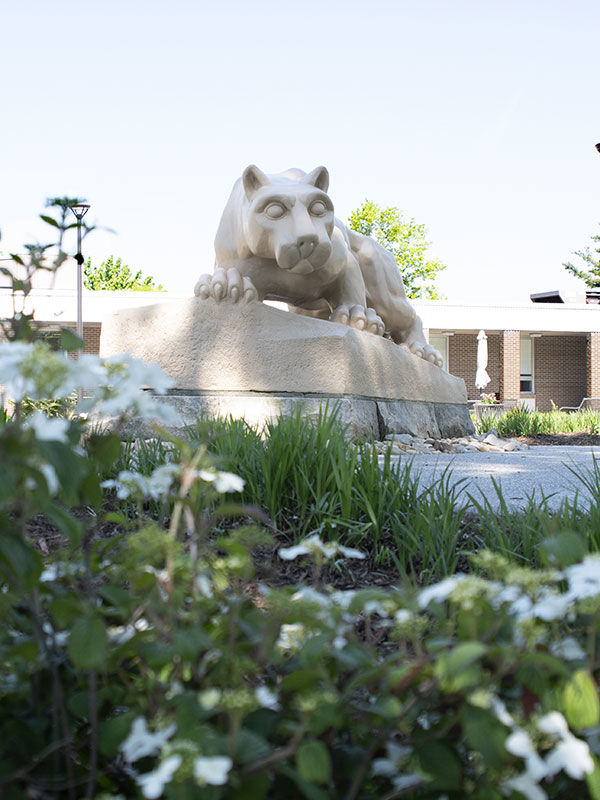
475,117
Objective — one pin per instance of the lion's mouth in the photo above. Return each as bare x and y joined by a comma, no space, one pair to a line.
305,258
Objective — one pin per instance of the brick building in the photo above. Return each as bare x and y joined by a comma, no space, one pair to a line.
538,353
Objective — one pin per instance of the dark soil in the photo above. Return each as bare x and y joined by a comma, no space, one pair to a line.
580,438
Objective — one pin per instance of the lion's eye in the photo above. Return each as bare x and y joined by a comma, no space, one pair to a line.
318,208
275,210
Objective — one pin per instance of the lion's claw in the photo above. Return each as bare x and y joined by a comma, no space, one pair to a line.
226,286
359,317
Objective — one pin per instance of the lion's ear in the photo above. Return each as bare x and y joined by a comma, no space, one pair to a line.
319,177
252,179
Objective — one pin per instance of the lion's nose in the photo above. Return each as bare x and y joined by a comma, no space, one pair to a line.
306,245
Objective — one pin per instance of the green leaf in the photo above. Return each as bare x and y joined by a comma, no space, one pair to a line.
593,781
564,549
49,220
88,643
69,340
580,701
250,746
463,656
484,733
313,761
65,522
112,732
65,610
309,791
117,596
440,764
255,787
23,562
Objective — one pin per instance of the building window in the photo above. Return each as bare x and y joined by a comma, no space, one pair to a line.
440,342
527,365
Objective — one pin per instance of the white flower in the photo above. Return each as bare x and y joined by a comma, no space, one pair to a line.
519,744
568,648
153,783
340,642
266,698
204,586
212,770
228,482
141,742
209,698
311,595
551,605
350,552
553,722
584,578
51,478
48,429
500,711
291,636
402,782
439,591
156,485
571,755
525,785
313,545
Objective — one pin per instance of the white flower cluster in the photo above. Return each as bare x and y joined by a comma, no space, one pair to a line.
569,754
208,770
314,546
114,385
545,603
156,485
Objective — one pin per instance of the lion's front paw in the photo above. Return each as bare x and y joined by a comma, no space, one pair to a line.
227,286
426,352
357,316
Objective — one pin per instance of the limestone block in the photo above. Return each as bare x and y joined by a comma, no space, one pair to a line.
204,345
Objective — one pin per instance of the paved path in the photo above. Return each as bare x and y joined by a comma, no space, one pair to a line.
545,471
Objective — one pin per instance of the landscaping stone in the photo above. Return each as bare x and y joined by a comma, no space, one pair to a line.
404,443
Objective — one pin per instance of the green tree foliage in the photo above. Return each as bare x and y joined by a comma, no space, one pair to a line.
114,276
591,276
406,239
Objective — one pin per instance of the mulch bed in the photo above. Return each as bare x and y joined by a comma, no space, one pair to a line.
579,438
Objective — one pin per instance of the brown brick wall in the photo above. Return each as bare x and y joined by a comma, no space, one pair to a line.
559,364
91,337
510,369
462,361
593,365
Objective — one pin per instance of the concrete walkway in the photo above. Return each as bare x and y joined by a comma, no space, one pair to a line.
542,471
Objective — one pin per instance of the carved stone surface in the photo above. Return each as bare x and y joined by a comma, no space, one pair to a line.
279,239
256,361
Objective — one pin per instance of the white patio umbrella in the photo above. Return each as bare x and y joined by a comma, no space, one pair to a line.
481,377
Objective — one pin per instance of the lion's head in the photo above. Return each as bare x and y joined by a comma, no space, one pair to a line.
289,217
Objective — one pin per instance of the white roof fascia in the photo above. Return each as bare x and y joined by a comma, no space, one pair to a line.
540,317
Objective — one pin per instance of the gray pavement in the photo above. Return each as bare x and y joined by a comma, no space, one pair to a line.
542,471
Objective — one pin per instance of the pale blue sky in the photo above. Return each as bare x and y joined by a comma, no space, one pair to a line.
477,118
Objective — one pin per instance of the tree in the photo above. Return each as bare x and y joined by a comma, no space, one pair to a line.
590,277
114,276
406,239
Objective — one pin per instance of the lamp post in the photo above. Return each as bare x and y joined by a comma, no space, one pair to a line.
80,210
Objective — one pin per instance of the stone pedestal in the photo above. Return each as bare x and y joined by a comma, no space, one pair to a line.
255,361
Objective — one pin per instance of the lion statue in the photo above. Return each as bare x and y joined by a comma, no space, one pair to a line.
278,239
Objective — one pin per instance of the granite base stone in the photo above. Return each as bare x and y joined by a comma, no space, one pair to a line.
363,418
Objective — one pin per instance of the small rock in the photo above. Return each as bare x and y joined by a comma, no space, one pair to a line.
492,439
509,447
402,438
